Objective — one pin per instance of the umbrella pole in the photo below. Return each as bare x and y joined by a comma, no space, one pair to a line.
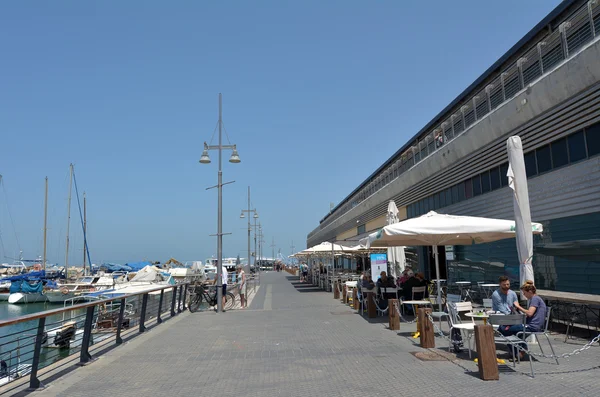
437,274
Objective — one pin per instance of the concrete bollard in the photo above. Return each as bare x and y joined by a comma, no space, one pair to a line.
486,352
393,314
371,309
336,291
355,301
426,326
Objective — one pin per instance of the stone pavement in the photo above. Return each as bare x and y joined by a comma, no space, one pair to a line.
294,340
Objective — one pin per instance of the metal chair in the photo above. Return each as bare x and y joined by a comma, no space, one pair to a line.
527,333
487,304
512,340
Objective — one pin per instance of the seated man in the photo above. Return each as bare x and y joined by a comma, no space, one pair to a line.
503,298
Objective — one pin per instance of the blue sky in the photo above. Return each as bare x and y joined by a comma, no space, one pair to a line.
316,95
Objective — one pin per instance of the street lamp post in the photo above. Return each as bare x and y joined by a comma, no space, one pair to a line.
204,159
242,216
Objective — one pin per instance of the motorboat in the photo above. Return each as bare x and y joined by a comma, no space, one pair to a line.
84,285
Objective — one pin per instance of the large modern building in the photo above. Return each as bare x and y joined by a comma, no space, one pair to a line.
546,89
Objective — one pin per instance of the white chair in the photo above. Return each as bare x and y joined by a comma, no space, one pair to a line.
454,310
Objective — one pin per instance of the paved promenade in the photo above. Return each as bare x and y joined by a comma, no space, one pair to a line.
299,341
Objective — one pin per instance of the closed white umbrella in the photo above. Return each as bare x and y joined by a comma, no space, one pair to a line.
395,255
517,181
439,229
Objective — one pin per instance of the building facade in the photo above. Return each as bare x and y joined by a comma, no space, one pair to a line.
546,90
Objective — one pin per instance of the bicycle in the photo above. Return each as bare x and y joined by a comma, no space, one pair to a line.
207,293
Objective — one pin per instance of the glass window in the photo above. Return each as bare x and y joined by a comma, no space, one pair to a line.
361,229
421,207
417,157
448,197
468,188
442,199
431,203
485,182
576,143
503,177
559,153
530,166
431,147
461,191
544,159
436,201
592,136
455,194
409,210
425,205
476,185
495,178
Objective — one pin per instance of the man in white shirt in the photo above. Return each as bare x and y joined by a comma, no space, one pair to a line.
224,283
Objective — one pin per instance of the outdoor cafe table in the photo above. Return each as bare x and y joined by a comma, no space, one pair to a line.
488,288
416,304
480,316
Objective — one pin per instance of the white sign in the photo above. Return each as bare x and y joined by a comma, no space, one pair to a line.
449,252
378,265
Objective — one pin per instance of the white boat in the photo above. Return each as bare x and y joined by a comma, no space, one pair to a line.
84,285
20,297
17,372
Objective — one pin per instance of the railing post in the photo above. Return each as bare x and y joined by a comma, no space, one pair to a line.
160,303
34,382
488,93
185,290
119,340
541,58
562,28
173,300
502,75
143,312
520,62
85,356
591,16
179,301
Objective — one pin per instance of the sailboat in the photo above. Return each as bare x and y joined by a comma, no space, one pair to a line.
29,288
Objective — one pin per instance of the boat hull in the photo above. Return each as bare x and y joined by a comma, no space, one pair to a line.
19,297
4,296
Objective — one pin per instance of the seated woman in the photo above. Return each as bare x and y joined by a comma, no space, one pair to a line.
536,315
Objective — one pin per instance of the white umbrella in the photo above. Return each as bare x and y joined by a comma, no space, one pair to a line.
438,229
517,180
395,255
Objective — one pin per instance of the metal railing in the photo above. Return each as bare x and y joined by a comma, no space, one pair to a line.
580,29
36,341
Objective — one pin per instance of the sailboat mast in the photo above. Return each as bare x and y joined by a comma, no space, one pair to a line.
69,216
45,224
84,234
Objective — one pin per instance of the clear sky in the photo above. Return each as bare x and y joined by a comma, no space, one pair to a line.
316,94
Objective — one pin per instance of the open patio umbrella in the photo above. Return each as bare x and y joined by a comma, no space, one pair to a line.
517,181
439,229
395,255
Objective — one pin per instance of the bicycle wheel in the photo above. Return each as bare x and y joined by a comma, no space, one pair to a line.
229,301
195,301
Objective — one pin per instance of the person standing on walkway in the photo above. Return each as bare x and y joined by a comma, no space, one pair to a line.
241,279
224,277
503,298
